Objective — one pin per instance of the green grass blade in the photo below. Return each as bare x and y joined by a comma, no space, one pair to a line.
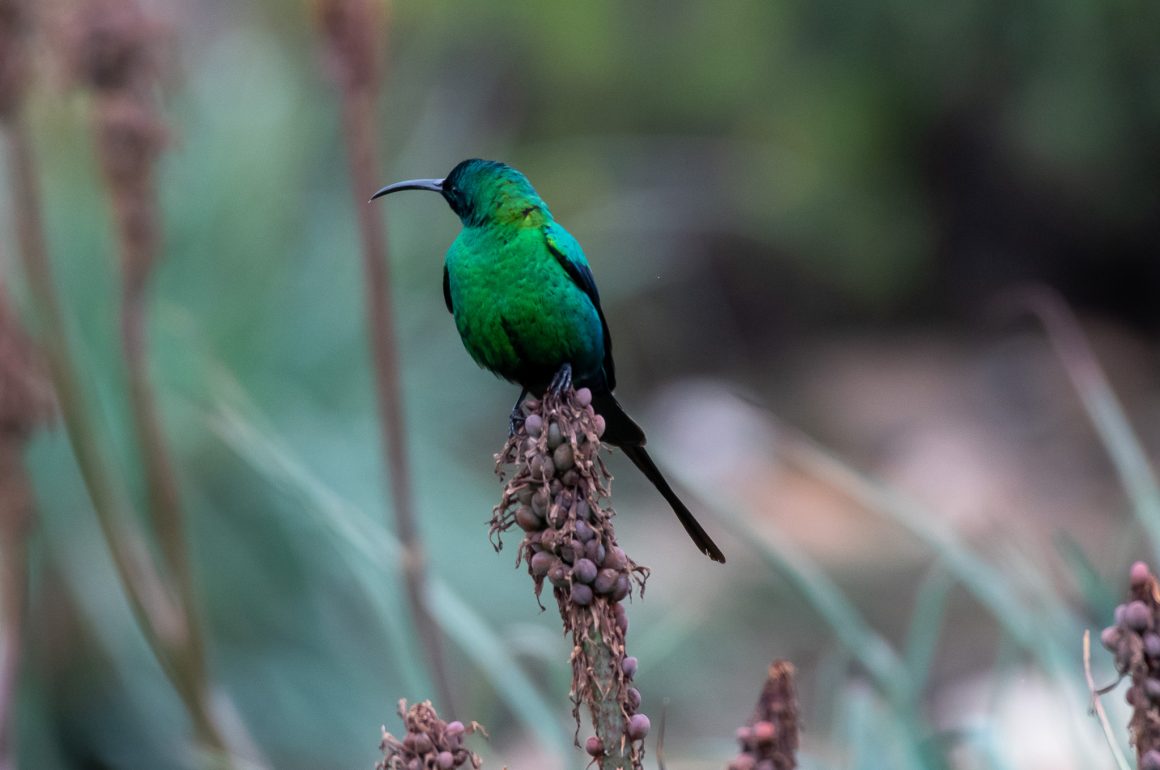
1103,409
926,623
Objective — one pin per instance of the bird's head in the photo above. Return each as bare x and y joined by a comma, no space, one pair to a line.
481,192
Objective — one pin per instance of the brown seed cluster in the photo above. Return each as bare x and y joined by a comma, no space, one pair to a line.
556,496
1134,640
429,743
770,739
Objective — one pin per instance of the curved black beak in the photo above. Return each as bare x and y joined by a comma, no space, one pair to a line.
434,185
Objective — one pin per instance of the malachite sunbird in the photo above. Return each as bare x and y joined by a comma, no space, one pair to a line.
526,305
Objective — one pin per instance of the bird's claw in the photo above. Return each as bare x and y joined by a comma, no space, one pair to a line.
562,381
516,418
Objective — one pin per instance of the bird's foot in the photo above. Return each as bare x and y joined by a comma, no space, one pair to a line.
562,381
516,418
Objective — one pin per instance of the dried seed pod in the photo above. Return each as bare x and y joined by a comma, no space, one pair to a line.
527,519
594,746
594,550
638,727
633,698
445,760
1138,575
628,667
584,532
606,581
1110,637
616,559
562,457
583,512
420,744
621,615
598,423
622,588
1138,616
584,397
581,594
542,468
533,424
1150,760
584,571
555,435
540,502
567,553
743,762
1151,645
454,728
764,732
541,563
558,574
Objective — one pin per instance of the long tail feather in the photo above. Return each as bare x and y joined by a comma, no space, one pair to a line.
620,430
701,538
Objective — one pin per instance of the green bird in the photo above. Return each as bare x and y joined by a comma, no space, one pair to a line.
527,308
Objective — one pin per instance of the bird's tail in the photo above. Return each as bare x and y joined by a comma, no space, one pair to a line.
622,431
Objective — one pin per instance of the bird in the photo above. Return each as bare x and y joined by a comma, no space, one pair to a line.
527,308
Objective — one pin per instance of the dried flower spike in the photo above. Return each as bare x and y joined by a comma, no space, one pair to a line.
556,496
428,742
1134,641
770,739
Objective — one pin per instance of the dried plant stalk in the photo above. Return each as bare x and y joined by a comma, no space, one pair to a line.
556,495
769,740
112,51
1134,639
349,29
429,743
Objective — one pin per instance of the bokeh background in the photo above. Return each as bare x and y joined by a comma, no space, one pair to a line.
814,226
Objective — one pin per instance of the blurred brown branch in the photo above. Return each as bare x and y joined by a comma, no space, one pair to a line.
112,54
349,29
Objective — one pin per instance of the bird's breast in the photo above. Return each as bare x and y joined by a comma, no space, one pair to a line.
519,313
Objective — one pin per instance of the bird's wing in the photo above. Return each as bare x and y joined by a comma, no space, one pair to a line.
571,257
447,290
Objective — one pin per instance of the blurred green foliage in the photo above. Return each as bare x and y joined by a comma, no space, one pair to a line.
739,174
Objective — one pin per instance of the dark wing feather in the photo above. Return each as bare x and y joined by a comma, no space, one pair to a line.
581,275
447,290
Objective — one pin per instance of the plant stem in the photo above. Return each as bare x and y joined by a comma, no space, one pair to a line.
607,715
349,27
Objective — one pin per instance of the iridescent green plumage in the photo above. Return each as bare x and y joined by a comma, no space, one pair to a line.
526,305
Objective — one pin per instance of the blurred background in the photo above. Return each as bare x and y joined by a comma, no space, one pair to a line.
813,224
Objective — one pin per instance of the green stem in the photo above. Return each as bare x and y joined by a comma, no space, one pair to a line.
607,717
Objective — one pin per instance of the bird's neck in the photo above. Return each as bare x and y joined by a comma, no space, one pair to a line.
518,214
